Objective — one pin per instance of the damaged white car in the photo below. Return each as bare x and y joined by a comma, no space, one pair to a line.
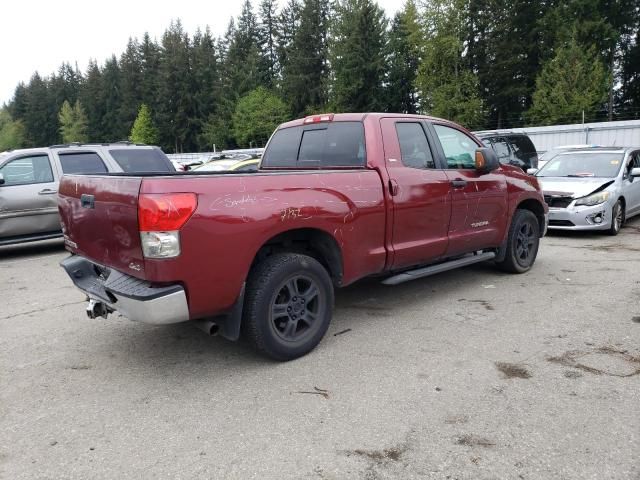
595,188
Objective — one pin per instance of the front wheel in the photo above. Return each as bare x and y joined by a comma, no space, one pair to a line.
288,305
522,243
617,218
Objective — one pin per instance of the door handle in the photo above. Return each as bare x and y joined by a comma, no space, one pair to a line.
47,191
394,188
458,183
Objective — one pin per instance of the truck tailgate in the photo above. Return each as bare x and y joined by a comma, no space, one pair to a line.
100,220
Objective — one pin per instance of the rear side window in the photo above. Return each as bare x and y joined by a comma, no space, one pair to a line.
414,146
339,144
82,162
501,147
142,160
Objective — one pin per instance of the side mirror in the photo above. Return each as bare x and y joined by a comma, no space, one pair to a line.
2,178
532,171
486,160
635,172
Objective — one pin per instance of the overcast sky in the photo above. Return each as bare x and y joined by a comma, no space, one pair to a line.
41,34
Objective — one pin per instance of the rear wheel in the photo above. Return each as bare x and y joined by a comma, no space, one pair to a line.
288,305
617,218
522,243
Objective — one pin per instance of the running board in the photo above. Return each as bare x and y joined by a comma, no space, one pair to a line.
439,268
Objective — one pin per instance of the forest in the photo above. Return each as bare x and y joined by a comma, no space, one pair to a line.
483,63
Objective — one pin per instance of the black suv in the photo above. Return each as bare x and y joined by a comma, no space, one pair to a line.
512,148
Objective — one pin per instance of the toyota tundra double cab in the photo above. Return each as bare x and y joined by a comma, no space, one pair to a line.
336,198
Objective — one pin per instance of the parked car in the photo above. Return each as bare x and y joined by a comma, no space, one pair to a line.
555,151
512,148
337,198
29,182
593,188
234,164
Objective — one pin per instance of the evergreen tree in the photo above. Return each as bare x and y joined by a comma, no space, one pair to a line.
256,116
175,115
143,130
357,56
91,97
12,132
403,52
244,64
206,78
73,123
267,38
287,24
448,87
111,128
629,95
573,82
130,83
40,117
305,73
150,72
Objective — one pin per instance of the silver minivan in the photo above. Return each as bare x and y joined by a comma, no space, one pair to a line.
29,182
593,188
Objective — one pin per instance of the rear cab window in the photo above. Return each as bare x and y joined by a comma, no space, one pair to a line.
319,145
414,147
142,160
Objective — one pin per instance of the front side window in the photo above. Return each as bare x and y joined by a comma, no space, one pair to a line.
414,146
27,170
82,163
459,149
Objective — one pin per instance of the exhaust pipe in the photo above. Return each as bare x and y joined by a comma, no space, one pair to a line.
96,309
207,326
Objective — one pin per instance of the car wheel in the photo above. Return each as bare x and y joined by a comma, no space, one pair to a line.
522,243
288,305
617,218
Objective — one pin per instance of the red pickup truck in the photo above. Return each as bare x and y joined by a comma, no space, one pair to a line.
337,198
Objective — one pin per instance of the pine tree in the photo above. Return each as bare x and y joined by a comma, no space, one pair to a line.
206,80
305,72
447,87
357,56
267,38
40,116
573,82
150,72
111,127
256,116
130,83
403,52
73,123
175,115
288,22
91,97
143,130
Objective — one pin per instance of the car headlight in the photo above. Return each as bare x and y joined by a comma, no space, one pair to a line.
595,199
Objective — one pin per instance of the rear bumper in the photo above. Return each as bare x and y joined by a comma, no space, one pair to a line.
129,296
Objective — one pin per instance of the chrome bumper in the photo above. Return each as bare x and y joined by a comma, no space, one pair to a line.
133,298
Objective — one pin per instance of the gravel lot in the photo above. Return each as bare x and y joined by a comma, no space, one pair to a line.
472,374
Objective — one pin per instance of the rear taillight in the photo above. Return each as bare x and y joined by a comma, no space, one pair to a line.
166,211
160,217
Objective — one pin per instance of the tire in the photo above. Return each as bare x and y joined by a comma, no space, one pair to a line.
522,243
617,218
288,305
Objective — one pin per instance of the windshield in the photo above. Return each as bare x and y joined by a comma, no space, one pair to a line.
583,164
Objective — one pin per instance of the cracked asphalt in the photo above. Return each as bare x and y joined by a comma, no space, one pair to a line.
471,374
